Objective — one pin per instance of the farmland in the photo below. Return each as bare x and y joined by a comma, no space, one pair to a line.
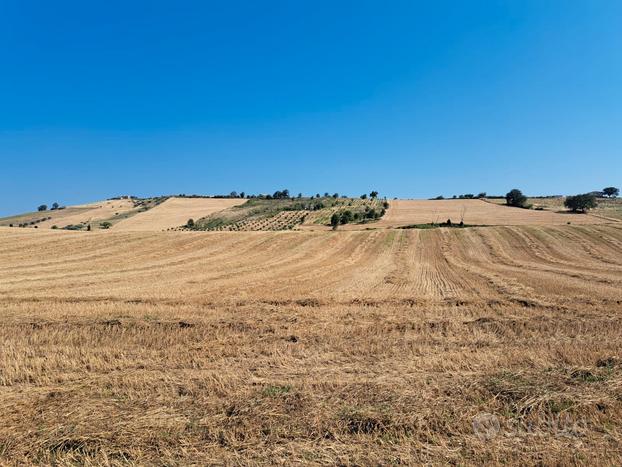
347,347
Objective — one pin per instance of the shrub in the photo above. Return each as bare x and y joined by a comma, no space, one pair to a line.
364,196
105,225
611,191
346,217
439,197
515,198
385,204
580,203
371,214
190,223
334,221
54,227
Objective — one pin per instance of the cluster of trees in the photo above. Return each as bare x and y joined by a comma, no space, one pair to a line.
348,216
581,203
465,196
577,203
44,207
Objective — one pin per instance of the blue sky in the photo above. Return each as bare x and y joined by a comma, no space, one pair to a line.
413,99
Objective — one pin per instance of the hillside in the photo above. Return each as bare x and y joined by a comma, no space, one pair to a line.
175,212
474,212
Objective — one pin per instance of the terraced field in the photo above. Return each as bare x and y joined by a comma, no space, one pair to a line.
467,345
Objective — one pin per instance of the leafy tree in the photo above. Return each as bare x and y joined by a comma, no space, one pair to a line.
373,194
482,194
334,220
43,207
190,223
54,206
364,196
335,195
439,197
611,191
233,194
580,203
346,217
371,214
515,198
242,194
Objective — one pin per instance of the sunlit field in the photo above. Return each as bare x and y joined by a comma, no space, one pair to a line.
478,345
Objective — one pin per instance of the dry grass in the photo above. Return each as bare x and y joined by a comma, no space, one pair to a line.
312,347
474,211
175,212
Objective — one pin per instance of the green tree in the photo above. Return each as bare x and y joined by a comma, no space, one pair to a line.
611,191
334,221
515,198
373,194
580,203
190,223
43,207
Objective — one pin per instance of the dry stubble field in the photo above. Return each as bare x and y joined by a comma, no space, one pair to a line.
353,347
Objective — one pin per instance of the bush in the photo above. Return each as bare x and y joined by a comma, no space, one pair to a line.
611,191
190,223
580,203
364,196
346,217
105,225
515,198
334,221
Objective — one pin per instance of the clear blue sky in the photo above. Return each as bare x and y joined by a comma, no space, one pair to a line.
413,99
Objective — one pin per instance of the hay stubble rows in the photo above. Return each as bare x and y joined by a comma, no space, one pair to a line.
326,347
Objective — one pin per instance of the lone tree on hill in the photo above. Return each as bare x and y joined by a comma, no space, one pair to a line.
515,198
54,206
43,207
373,194
190,223
580,203
611,191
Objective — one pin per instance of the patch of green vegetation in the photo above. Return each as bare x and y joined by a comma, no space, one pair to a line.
274,391
314,210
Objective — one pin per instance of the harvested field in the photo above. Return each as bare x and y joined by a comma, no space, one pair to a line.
474,211
475,345
175,212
